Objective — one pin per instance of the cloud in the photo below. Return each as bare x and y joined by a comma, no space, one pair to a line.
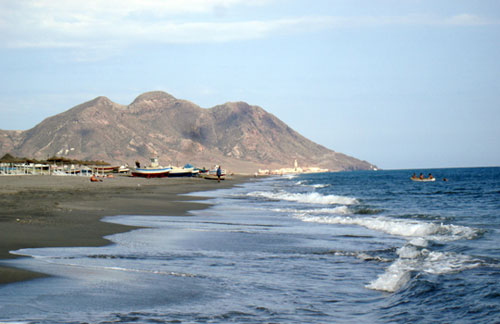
468,20
63,23
123,8
406,20
96,24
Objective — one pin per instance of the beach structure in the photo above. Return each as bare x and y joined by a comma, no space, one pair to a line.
24,169
10,165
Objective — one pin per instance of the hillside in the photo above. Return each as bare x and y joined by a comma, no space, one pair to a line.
241,137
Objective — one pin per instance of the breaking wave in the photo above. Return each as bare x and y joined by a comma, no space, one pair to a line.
401,227
412,259
308,198
414,255
316,186
340,210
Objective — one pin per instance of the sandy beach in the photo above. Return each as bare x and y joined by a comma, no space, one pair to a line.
50,211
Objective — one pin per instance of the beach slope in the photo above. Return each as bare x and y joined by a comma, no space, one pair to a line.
53,211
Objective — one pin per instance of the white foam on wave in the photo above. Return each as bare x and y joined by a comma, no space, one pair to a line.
339,210
166,273
419,241
308,198
68,260
401,227
413,256
414,260
316,186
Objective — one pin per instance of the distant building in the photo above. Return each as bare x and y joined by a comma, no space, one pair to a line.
295,170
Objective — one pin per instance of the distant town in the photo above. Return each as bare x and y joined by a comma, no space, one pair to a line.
295,170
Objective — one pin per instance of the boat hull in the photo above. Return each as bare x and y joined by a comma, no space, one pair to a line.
180,172
423,180
151,173
106,169
213,177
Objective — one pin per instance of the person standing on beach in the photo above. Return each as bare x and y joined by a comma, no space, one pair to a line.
219,173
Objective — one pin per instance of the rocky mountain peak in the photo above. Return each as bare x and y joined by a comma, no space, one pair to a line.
100,102
153,96
237,135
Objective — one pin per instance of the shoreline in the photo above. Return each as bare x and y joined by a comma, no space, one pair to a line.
54,211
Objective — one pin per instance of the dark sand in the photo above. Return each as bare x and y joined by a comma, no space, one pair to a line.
53,211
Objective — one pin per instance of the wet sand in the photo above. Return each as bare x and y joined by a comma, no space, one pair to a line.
54,211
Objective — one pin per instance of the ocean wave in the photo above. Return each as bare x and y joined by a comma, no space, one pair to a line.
340,210
158,272
308,198
322,185
414,256
411,259
401,227
365,256
316,186
368,211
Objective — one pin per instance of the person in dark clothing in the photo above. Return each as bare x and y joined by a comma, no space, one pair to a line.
219,173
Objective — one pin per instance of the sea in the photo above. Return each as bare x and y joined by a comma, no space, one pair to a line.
344,247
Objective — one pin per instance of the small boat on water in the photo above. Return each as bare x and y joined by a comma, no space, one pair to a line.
153,171
423,180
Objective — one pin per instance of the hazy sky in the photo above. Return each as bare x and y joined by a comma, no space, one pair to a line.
399,83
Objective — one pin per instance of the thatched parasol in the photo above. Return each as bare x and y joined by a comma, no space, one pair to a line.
7,158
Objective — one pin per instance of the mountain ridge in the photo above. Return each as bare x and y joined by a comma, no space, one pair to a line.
239,136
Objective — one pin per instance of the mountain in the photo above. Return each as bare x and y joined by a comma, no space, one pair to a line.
240,137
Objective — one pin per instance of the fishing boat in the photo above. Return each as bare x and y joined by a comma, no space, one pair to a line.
423,180
186,171
123,169
105,169
212,175
180,172
152,171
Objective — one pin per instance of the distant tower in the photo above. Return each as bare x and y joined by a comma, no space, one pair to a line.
296,165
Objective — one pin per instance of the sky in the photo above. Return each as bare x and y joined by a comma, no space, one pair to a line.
402,84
